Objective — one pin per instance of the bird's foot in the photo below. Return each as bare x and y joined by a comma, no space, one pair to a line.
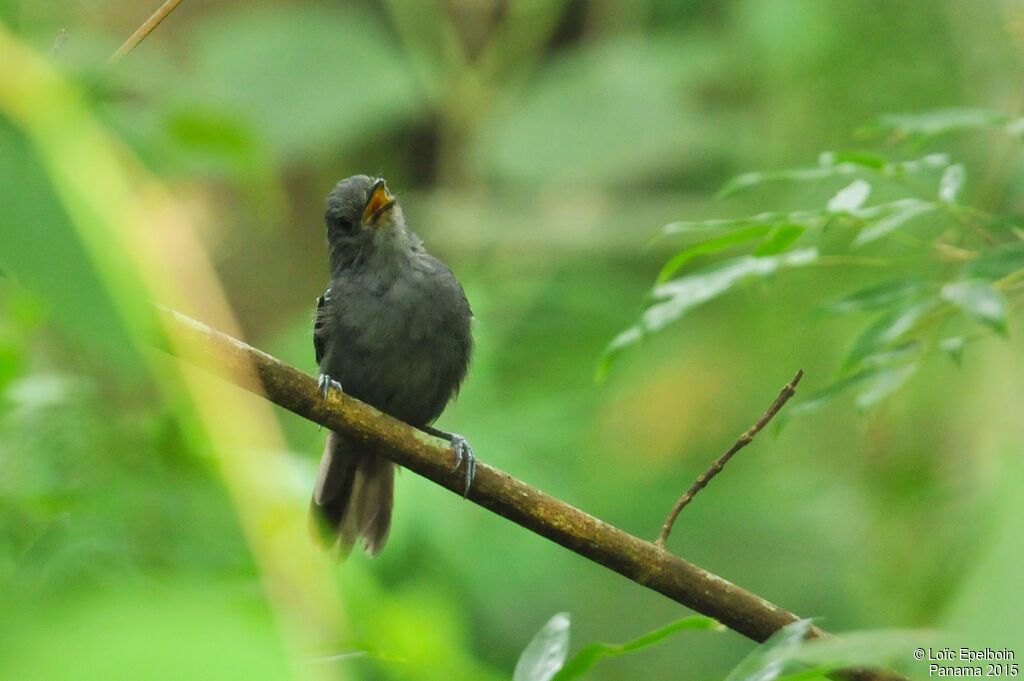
324,383
464,454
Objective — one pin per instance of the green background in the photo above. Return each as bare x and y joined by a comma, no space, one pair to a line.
536,147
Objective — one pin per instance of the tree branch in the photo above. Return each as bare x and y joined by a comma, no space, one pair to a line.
719,463
142,31
431,457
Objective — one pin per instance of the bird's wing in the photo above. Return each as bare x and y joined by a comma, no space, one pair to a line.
320,325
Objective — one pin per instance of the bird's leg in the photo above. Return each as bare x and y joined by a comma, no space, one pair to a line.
463,453
324,383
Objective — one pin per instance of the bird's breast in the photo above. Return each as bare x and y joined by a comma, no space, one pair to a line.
398,347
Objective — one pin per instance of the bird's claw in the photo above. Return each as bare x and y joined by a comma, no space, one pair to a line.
464,453
324,383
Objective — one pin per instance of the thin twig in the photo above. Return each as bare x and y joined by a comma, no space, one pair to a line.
638,560
142,31
719,464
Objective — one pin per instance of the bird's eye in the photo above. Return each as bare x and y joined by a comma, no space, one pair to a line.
339,224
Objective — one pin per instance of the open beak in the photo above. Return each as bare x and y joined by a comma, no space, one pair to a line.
380,200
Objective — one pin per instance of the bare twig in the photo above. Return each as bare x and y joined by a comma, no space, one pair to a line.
142,31
716,467
429,456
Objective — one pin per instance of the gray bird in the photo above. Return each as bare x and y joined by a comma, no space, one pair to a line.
393,330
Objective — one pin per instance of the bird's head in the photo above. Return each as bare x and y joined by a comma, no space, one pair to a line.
364,219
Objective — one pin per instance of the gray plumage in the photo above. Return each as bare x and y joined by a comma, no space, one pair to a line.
393,329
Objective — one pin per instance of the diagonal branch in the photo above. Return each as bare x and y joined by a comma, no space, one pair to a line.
431,457
144,30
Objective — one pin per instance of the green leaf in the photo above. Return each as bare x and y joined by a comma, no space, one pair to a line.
954,347
741,182
804,217
771,659
31,255
901,212
933,123
802,659
849,198
951,182
710,246
823,397
808,673
875,297
700,226
1015,128
883,373
917,165
674,299
546,652
997,263
630,336
746,180
589,656
836,164
979,300
884,383
858,158
879,648
889,328
677,297
780,239
898,354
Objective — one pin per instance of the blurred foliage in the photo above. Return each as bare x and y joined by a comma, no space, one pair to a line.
786,656
961,262
536,146
544,659
33,254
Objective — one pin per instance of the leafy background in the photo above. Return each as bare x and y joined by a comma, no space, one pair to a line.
153,521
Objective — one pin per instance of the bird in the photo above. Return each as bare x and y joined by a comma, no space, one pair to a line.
392,329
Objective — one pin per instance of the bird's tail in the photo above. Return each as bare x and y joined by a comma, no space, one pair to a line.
352,498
